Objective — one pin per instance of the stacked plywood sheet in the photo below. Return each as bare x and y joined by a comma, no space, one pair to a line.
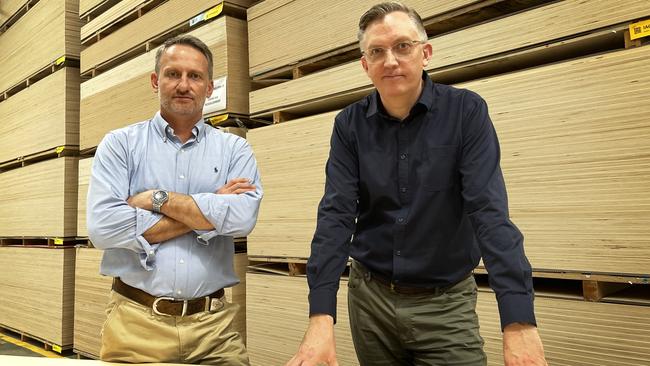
91,296
84,180
574,332
282,32
46,32
41,117
92,292
340,85
42,307
574,154
169,15
109,17
123,95
8,8
40,199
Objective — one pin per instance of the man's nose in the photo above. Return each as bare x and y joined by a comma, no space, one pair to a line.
390,59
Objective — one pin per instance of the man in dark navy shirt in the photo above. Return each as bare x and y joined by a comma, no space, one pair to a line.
415,195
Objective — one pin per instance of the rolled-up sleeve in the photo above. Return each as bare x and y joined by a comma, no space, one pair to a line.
111,222
233,214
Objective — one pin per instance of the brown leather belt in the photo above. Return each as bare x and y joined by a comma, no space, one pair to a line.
406,290
165,305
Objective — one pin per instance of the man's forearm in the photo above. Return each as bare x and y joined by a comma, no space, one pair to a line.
165,229
183,209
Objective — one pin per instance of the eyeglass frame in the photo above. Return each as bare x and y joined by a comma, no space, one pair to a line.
412,43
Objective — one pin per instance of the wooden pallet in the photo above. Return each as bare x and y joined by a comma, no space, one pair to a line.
43,242
26,337
55,152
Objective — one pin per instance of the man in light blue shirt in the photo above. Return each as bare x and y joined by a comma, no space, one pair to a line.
166,198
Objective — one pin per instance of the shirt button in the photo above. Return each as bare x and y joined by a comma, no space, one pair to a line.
403,156
178,292
400,220
181,150
403,189
182,261
181,176
399,252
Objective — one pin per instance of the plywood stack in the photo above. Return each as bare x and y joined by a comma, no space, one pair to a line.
120,63
566,98
92,292
42,308
575,332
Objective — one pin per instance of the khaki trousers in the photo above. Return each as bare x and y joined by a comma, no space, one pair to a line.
133,333
395,329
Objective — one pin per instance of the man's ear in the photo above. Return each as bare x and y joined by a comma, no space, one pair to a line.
364,64
428,53
154,82
210,89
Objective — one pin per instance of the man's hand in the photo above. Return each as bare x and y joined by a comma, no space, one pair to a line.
522,345
236,186
143,200
318,347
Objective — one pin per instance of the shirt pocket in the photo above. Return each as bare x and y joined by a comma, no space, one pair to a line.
439,168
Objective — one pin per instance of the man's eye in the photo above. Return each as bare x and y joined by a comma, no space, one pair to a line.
376,51
403,46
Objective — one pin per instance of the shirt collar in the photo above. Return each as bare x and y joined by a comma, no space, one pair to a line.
425,100
165,131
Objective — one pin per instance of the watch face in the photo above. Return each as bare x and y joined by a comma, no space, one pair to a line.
158,195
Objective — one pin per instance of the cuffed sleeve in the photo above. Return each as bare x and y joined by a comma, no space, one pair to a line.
486,203
111,222
330,247
233,214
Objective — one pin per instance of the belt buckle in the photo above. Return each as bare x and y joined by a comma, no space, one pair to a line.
154,306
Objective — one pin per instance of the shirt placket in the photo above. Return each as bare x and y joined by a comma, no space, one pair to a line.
403,194
181,185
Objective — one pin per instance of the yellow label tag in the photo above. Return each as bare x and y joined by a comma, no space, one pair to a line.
59,60
213,12
58,241
60,149
640,29
218,119
56,348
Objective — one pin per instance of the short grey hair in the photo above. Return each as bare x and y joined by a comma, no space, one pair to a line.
187,40
379,11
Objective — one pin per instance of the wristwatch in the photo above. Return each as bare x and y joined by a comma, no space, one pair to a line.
159,198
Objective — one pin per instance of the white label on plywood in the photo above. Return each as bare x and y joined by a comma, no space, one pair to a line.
217,101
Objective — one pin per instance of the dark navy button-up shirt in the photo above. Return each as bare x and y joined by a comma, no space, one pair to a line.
419,201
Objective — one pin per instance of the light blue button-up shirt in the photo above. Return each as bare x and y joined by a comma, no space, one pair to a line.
147,155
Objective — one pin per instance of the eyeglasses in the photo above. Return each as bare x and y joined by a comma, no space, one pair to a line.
400,50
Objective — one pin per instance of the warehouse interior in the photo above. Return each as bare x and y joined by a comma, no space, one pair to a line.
566,83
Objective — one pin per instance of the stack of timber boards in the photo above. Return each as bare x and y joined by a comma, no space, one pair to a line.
123,95
169,15
42,117
9,8
45,33
574,154
37,288
40,199
92,292
282,31
547,28
576,333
